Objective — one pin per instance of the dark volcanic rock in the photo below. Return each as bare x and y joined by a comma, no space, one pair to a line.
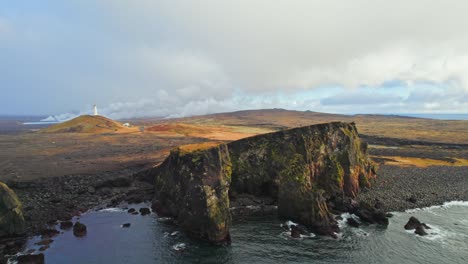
65,225
192,186
45,242
31,259
126,225
413,223
145,211
412,199
300,168
131,210
11,213
79,229
295,232
48,232
352,222
371,215
420,230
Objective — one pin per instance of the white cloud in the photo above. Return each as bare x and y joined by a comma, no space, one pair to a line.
180,57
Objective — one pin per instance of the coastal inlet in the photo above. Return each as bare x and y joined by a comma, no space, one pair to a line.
151,239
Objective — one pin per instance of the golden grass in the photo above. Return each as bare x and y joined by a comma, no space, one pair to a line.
199,146
422,162
218,132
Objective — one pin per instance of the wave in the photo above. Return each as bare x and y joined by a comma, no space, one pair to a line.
444,205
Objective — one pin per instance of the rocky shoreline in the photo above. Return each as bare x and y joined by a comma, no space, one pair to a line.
402,188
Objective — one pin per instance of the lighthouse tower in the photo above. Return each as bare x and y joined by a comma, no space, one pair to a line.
95,110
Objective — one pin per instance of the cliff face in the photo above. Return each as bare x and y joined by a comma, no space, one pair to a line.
192,186
11,213
305,169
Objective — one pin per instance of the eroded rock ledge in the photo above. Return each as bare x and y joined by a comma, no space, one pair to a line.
308,171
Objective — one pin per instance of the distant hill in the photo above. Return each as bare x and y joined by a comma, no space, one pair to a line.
392,126
87,124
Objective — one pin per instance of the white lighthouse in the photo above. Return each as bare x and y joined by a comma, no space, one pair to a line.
95,110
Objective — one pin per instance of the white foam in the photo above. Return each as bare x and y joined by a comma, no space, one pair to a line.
445,205
113,210
288,224
310,235
343,223
179,246
164,219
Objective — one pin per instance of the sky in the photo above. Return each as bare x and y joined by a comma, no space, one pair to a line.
180,58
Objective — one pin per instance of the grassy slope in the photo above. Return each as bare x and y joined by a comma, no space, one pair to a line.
86,124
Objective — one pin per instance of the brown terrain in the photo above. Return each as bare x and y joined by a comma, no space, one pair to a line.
92,145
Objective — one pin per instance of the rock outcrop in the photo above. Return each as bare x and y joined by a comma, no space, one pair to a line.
192,186
306,170
11,213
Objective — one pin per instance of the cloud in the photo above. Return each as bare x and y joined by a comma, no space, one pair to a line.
177,58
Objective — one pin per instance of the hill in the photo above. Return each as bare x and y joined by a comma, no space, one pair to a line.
87,124
389,126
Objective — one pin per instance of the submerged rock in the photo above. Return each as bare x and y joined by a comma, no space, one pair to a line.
413,223
11,213
145,211
295,232
420,230
126,225
79,229
302,169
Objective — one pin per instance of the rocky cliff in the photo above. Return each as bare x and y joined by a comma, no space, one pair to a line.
192,186
309,171
11,213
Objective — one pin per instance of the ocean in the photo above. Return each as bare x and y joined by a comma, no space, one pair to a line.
262,240
439,116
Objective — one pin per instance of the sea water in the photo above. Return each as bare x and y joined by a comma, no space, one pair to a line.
150,239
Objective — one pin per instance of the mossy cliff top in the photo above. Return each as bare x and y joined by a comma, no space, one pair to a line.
11,213
305,170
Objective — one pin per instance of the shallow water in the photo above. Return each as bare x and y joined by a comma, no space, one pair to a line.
262,240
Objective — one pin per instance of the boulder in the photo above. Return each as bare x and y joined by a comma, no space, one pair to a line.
131,210
413,223
11,213
370,214
145,211
420,230
126,225
31,259
295,232
79,229
65,225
